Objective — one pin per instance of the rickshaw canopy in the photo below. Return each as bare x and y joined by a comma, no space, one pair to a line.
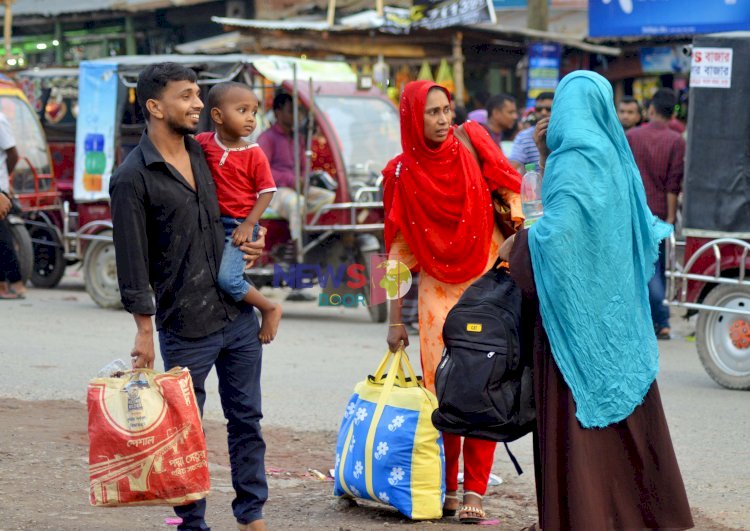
717,171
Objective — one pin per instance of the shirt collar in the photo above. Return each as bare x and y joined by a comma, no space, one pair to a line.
151,155
658,125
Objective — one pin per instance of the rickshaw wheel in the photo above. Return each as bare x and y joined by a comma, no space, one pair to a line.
24,250
100,272
379,312
721,336
49,263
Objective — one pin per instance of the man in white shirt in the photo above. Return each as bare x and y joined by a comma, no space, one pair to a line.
11,286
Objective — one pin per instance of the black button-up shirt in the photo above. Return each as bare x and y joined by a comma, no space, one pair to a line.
169,237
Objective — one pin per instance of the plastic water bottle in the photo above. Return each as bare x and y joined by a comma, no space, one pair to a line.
531,195
110,370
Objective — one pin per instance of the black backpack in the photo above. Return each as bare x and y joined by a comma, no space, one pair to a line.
484,381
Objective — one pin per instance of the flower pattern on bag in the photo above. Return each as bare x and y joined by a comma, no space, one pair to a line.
351,445
396,423
381,450
338,460
358,469
361,415
355,491
382,496
349,410
397,474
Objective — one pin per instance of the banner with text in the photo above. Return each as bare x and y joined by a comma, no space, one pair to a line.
619,18
544,69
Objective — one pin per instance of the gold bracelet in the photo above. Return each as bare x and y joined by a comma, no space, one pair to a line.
396,324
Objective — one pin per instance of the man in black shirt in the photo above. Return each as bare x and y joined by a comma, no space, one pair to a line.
169,239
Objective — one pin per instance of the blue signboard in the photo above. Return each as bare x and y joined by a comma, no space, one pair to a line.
544,69
95,130
620,18
510,4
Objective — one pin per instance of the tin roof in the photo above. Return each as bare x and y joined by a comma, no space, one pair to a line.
59,7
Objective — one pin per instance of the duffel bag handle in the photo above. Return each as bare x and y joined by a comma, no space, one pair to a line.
400,361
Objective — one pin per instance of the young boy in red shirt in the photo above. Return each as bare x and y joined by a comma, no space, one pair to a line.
244,187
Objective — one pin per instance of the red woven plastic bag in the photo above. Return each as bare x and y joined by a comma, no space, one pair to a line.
146,440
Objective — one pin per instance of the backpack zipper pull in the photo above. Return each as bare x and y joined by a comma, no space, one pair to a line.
490,354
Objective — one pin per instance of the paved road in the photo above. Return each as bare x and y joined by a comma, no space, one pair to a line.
57,339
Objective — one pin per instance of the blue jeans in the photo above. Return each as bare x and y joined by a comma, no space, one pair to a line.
232,268
236,352
657,291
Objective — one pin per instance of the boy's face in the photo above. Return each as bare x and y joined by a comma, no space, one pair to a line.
237,112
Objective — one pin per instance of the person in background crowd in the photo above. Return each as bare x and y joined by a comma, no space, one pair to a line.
660,155
603,456
11,283
629,112
524,149
502,117
479,107
168,241
528,119
439,218
277,142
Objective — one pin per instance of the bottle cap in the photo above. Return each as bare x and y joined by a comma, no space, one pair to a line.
530,167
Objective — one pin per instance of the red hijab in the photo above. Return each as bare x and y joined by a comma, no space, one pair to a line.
438,198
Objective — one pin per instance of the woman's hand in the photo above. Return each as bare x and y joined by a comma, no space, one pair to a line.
540,139
397,337
506,248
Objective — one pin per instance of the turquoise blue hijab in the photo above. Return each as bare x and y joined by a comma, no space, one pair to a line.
593,254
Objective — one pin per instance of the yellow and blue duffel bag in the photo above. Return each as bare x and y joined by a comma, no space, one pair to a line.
387,449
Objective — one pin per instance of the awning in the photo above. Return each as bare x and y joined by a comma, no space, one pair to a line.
566,27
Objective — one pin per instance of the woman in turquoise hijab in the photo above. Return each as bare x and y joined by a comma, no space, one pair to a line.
603,453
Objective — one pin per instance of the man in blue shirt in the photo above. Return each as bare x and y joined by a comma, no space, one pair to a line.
524,149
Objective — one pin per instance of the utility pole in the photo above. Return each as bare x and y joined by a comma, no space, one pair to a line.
331,12
8,29
537,14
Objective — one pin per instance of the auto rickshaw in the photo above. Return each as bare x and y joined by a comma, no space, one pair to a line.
358,125
711,278
32,183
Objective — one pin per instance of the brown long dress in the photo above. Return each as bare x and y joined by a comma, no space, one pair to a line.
624,476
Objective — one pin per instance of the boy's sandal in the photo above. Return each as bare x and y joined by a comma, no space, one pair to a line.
449,512
470,514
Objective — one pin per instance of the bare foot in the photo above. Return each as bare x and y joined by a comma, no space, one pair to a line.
270,324
257,525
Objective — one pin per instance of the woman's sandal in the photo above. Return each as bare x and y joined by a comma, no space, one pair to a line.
470,514
449,512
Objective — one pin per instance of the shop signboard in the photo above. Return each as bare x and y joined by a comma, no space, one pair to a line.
621,18
437,14
544,69
664,60
554,4
95,154
711,67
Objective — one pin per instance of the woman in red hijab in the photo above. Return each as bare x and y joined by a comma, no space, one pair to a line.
440,221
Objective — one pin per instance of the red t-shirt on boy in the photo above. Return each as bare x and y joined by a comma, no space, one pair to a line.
241,174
